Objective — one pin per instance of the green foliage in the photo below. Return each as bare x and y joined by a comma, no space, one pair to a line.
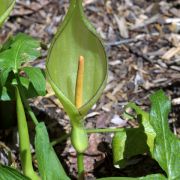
164,145
133,141
14,53
48,162
7,173
36,77
22,48
167,145
24,81
6,7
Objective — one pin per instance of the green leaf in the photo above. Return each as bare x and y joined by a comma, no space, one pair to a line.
15,51
133,141
27,88
37,79
76,37
6,7
48,162
126,144
167,145
11,174
22,49
149,177
143,118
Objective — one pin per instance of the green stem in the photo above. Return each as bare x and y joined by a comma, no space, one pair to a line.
24,144
80,165
104,130
31,113
89,131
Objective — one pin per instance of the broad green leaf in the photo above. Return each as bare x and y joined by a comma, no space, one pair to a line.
167,145
8,173
37,79
126,144
76,37
49,165
133,141
13,53
6,7
149,177
143,118
22,49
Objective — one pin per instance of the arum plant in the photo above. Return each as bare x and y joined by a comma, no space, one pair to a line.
77,70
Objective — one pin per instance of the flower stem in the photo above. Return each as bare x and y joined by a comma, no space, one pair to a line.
80,159
89,131
24,144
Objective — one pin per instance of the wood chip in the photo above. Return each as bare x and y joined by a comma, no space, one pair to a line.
170,53
121,22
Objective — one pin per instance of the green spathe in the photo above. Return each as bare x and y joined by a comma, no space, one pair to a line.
6,7
74,38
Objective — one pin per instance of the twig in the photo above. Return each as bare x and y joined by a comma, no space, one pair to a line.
124,41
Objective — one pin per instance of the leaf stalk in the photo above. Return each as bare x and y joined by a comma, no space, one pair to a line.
24,144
